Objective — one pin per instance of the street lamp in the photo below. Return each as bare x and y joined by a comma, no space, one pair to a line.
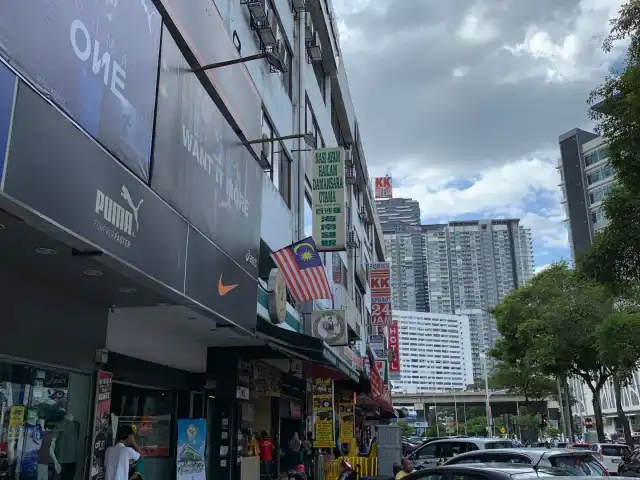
483,357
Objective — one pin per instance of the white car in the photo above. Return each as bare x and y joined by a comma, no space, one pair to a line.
610,455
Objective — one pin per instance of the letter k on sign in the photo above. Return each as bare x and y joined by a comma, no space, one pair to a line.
224,289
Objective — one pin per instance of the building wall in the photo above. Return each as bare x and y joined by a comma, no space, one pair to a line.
435,352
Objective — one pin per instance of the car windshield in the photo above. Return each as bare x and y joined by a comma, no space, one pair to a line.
583,465
499,444
581,447
614,450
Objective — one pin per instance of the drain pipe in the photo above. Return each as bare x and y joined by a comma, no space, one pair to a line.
301,117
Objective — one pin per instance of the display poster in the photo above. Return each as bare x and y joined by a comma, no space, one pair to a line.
323,419
383,188
328,199
16,421
380,285
192,440
100,424
265,381
394,348
346,417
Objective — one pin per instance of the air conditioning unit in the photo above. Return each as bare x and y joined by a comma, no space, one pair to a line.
314,50
265,162
258,8
350,174
281,54
364,215
266,29
299,5
309,32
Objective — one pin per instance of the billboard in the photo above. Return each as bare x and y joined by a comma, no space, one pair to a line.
383,187
328,199
97,60
87,192
380,286
393,346
200,166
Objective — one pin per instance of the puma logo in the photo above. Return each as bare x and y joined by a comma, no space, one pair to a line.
124,193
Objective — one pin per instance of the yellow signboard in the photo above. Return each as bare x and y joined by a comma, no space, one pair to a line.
16,421
323,413
503,430
345,417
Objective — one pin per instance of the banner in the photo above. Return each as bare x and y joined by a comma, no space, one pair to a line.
97,60
192,439
323,418
101,417
265,381
346,417
376,342
328,199
383,188
380,285
394,348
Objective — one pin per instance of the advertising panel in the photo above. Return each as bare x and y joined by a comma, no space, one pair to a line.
206,34
377,345
323,418
192,440
199,165
7,95
394,348
97,60
100,425
380,285
86,191
214,280
383,188
328,199
346,420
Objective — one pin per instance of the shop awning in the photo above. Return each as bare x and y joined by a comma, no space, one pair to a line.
377,393
303,347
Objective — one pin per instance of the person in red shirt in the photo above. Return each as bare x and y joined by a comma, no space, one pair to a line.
266,453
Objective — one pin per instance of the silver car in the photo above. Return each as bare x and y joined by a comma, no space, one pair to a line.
439,450
582,463
610,455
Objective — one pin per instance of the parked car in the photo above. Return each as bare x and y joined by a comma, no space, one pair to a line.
437,451
487,472
561,444
610,455
630,464
577,462
580,446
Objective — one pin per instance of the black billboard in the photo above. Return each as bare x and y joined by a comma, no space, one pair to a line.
97,59
60,172
216,282
7,94
199,165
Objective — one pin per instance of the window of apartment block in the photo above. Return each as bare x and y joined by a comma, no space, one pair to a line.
321,78
279,169
311,125
283,43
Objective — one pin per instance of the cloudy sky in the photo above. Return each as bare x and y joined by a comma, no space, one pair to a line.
462,101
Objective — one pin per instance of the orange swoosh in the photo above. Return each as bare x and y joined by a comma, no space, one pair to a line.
224,289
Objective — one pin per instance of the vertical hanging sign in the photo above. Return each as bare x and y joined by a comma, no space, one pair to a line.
380,285
328,199
101,416
323,419
394,348
345,417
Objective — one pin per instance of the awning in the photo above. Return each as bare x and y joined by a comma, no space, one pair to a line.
375,394
303,347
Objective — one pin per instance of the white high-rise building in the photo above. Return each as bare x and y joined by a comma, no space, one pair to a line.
435,352
469,267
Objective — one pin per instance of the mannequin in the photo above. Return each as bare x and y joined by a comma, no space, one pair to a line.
63,447
33,434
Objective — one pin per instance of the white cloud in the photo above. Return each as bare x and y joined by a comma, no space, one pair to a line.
542,267
551,232
460,72
476,26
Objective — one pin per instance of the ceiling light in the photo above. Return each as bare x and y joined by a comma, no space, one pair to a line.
128,290
92,273
191,318
162,304
46,251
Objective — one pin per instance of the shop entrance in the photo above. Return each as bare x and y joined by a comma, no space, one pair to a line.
290,423
44,417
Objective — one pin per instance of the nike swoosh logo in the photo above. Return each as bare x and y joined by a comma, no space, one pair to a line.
224,289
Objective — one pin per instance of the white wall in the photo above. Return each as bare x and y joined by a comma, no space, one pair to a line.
277,222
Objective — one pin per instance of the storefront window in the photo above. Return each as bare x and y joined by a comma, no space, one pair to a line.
44,416
150,412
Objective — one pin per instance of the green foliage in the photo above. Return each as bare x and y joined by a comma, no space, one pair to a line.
552,432
522,378
406,430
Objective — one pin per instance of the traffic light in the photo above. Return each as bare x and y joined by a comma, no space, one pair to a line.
588,423
543,421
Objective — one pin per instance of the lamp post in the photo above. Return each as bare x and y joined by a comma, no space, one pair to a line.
483,357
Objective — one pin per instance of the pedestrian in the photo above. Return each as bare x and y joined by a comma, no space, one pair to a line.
307,453
119,457
295,445
266,453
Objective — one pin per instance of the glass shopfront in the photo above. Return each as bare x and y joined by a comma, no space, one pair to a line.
44,419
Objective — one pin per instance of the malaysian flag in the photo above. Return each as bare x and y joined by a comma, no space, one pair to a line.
303,270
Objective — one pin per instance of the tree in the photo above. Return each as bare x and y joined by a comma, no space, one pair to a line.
521,378
406,430
553,324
